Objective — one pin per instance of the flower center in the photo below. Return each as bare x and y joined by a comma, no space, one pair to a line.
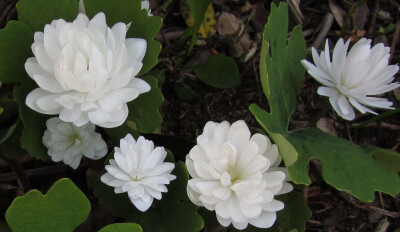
75,138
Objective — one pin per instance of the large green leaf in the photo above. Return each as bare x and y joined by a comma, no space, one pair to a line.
359,170
63,208
219,71
173,213
122,227
345,166
38,13
281,76
145,110
143,26
15,47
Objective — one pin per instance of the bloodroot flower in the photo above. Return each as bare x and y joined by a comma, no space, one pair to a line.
139,169
86,71
68,143
236,175
351,79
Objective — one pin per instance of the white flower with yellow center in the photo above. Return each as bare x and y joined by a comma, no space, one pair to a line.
237,175
351,79
139,169
68,143
86,71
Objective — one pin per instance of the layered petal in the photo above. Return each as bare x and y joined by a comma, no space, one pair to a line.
86,71
351,78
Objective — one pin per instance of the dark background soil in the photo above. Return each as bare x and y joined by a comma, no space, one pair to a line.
333,210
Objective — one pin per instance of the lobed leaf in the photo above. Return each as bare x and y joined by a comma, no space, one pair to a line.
63,208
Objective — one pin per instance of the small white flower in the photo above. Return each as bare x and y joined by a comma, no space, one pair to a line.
236,175
139,169
146,5
86,71
68,143
352,78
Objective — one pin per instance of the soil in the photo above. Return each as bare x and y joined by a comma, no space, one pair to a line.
333,210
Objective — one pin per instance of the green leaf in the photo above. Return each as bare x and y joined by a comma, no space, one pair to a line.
281,71
183,217
63,208
388,158
15,47
34,122
122,227
295,213
144,110
143,26
185,92
159,74
198,9
345,166
38,13
219,71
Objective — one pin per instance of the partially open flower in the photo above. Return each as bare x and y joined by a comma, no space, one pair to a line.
86,71
68,143
139,169
236,175
352,78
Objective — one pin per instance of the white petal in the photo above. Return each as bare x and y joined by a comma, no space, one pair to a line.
265,220
136,48
140,204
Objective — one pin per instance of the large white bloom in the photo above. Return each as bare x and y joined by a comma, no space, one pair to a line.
236,175
352,78
86,71
139,169
68,143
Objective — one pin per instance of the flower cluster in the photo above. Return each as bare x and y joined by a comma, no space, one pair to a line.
236,175
68,143
351,79
86,71
138,168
